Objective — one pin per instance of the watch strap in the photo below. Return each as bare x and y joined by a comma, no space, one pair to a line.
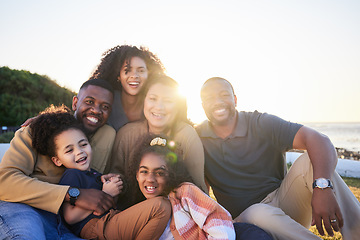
73,194
72,200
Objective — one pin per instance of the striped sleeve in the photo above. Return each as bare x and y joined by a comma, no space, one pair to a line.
197,216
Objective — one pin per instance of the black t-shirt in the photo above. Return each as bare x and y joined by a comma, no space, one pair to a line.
81,179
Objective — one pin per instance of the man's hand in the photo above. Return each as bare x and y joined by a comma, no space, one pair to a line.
325,209
28,121
95,200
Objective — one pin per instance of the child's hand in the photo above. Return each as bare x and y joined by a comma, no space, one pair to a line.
113,186
106,177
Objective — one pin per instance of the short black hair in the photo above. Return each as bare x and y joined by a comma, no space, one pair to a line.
219,78
98,82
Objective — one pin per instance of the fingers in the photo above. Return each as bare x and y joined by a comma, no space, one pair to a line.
107,177
326,212
111,179
336,221
339,218
331,224
28,121
99,211
319,226
103,179
116,181
113,187
106,203
334,224
328,226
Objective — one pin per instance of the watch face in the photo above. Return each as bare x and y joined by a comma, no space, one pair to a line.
322,183
74,192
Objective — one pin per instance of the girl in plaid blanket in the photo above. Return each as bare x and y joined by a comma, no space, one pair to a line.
158,171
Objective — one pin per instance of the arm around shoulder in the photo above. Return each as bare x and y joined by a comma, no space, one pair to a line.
210,216
32,174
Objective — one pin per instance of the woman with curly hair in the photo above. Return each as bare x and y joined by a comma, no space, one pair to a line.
127,68
158,171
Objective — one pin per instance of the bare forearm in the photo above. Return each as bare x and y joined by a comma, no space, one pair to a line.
320,149
74,214
323,156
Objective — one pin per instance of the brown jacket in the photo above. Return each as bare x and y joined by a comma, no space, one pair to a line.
31,178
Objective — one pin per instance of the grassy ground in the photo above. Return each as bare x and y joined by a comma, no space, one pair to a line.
354,185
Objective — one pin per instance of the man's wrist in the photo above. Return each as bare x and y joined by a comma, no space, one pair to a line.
322,183
73,193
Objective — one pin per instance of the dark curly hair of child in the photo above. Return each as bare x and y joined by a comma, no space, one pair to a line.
49,124
177,172
114,58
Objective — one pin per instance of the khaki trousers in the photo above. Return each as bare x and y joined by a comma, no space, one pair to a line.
145,220
286,212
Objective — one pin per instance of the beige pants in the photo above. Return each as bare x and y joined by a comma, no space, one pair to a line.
145,220
286,212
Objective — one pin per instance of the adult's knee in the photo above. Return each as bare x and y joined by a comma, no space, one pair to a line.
259,214
302,164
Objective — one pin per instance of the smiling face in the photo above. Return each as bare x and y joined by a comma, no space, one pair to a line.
218,101
152,175
160,107
72,150
92,107
133,74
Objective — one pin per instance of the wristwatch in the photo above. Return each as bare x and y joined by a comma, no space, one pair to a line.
73,193
322,183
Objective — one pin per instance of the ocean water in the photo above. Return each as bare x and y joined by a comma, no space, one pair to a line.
342,135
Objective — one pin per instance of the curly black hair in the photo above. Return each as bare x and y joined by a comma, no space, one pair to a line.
114,58
49,124
177,171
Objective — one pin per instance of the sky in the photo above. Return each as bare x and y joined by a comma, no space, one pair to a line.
299,60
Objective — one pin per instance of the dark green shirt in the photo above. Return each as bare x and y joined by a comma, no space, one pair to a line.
249,164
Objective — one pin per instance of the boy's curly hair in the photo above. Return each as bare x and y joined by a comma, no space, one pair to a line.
177,172
48,124
114,58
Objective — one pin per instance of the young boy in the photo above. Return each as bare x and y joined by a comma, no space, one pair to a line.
57,134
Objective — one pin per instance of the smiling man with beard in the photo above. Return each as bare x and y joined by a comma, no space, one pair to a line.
92,108
245,166
30,196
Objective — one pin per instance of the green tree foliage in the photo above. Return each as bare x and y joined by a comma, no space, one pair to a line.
6,137
24,95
